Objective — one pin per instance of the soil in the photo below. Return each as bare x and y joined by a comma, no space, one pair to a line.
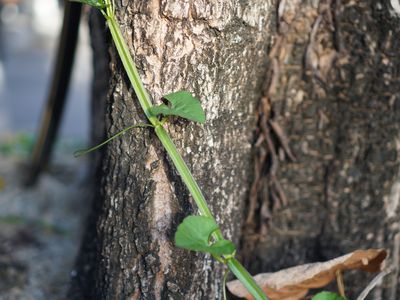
40,228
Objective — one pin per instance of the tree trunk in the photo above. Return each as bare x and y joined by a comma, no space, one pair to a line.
331,184
218,51
323,178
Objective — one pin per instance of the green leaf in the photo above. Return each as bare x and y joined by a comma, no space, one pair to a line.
223,247
327,296
94,3
194,234
183,104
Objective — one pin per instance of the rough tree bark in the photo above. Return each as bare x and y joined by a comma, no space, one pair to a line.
217,50
331,184
326,158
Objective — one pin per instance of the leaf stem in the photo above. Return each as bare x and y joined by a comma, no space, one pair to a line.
130,67
186,175
224,284
244,277
86,151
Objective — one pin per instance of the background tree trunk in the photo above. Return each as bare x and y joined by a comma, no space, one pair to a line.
218,51
334,89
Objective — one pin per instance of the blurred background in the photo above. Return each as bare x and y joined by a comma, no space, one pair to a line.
39,226
28,42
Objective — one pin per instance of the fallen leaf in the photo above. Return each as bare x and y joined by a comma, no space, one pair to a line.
294,283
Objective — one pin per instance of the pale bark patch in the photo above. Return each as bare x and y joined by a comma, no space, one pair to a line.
162,217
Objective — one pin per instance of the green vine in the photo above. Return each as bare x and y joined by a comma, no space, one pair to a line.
197,233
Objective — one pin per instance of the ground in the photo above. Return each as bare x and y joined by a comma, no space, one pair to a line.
40,229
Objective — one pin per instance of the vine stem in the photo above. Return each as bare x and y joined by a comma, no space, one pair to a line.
245,278
86,151
187,177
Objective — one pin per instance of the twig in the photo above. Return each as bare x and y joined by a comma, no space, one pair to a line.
340,283
270,145
310,47
283,139
256,185
337,34
279,190
281,8
377,279
396,253
275,73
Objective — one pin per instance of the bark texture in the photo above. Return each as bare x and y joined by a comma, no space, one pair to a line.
218,51
328,145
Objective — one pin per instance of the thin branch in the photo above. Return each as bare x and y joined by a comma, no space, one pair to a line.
377,279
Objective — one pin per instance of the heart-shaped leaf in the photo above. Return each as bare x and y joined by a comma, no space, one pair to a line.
327,296
194,234
182,104
94,3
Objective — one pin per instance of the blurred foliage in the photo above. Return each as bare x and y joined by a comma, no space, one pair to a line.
21,145
42,225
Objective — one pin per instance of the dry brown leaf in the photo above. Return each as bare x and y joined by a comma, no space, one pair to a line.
294,283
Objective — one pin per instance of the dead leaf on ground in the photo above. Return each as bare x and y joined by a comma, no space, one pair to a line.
294,283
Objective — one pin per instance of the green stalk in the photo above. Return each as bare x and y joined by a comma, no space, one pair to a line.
86,151
244,277
187,177
183,171
131,70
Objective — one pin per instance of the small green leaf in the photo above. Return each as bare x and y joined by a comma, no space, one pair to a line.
327,296
223,247
183,104
194,234
94,3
